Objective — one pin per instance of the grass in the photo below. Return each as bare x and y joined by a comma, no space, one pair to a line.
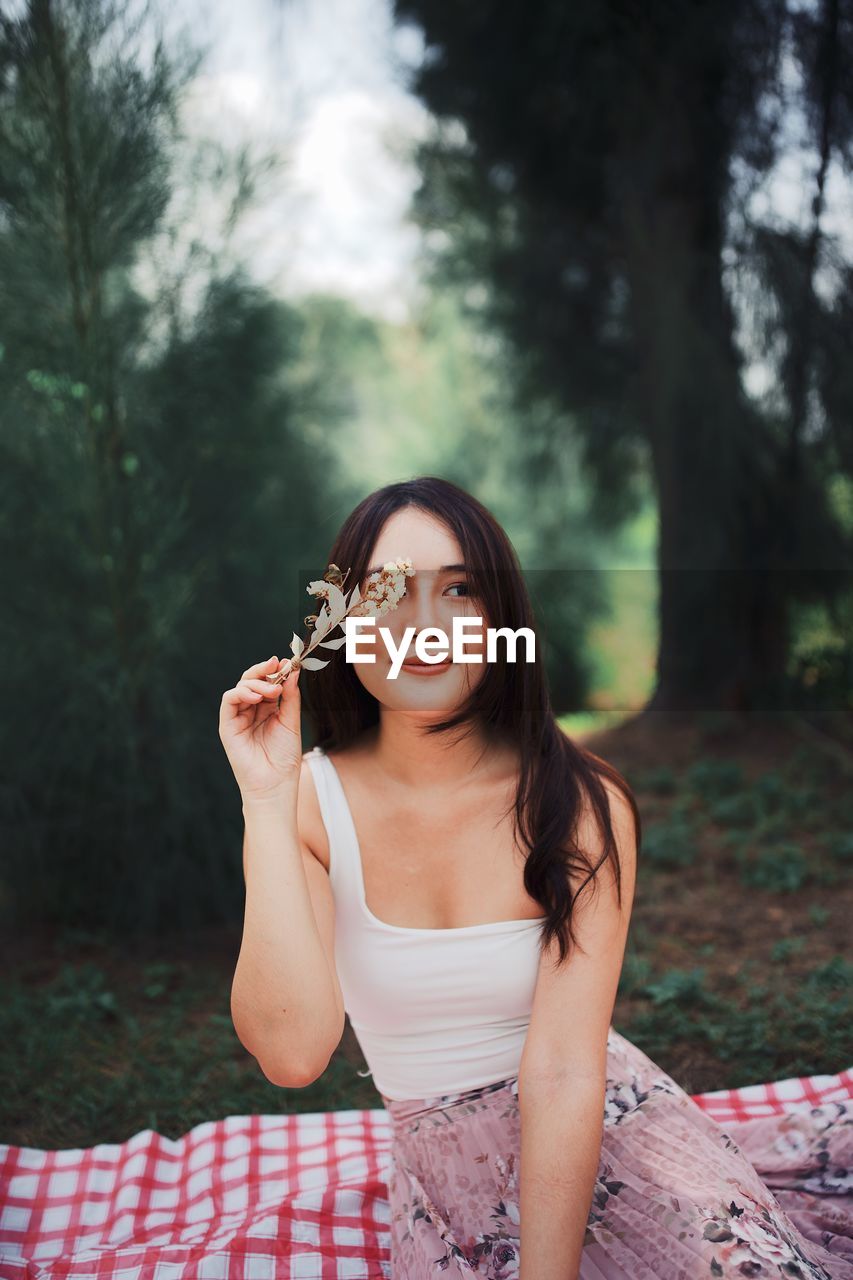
100,1043
737,967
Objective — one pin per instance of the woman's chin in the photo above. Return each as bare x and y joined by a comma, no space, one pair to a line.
441,690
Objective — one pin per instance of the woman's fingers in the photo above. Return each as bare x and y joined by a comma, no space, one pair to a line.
261,668
251,690
264,687
254,691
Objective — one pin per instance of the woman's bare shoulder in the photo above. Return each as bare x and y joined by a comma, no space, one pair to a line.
356,758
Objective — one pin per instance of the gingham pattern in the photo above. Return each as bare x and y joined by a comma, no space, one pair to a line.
299,1197
756,1100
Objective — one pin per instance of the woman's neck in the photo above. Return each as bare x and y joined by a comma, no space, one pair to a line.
409,756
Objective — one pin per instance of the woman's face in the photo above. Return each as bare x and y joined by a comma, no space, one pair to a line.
435,595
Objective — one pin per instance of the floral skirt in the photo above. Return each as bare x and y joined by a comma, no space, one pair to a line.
676,1196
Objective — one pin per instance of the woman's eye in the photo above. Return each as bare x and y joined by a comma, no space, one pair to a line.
463,585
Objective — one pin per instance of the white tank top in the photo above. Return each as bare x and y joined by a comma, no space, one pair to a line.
435,1011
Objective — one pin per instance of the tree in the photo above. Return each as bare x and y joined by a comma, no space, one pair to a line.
593,165
157,491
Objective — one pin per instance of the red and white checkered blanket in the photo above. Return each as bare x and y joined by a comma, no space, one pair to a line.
298,1197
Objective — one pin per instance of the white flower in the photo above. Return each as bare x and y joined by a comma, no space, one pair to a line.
755,1243
383,592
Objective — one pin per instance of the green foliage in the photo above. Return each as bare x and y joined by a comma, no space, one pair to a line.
436,394
738,810
159,497
115,1054
757,816
660,781
836,975
680,987
839,845
671,843
782,868
785,948
153,1044
820,663
784,1028
762,1021
714,779
577,160
814,1016
767,804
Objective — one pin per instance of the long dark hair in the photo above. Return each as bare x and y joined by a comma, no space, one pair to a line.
511,700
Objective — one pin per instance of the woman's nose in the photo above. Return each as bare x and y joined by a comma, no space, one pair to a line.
420,610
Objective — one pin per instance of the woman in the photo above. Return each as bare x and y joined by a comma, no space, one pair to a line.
452,870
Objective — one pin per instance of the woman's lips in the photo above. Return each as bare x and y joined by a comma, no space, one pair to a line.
425,669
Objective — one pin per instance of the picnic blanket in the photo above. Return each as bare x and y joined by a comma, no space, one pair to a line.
264,1197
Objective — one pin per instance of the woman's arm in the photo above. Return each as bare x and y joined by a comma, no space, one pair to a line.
285,997
563,1072
561,1128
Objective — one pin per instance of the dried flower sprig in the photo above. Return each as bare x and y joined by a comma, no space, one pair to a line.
384,590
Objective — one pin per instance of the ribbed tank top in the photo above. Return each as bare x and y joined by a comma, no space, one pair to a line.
434,1011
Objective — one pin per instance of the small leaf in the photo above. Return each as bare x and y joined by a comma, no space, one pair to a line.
314,664
321,626
337,604
296,645
333,644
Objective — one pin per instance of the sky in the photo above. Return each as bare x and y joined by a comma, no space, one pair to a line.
321,85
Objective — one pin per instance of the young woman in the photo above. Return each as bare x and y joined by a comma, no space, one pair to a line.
448,867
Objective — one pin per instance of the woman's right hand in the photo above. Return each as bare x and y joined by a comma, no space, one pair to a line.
260,729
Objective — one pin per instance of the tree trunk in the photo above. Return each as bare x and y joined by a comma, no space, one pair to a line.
722,614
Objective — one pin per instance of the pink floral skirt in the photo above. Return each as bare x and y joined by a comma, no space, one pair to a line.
677,1196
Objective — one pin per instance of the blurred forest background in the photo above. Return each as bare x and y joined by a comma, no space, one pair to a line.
592,262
